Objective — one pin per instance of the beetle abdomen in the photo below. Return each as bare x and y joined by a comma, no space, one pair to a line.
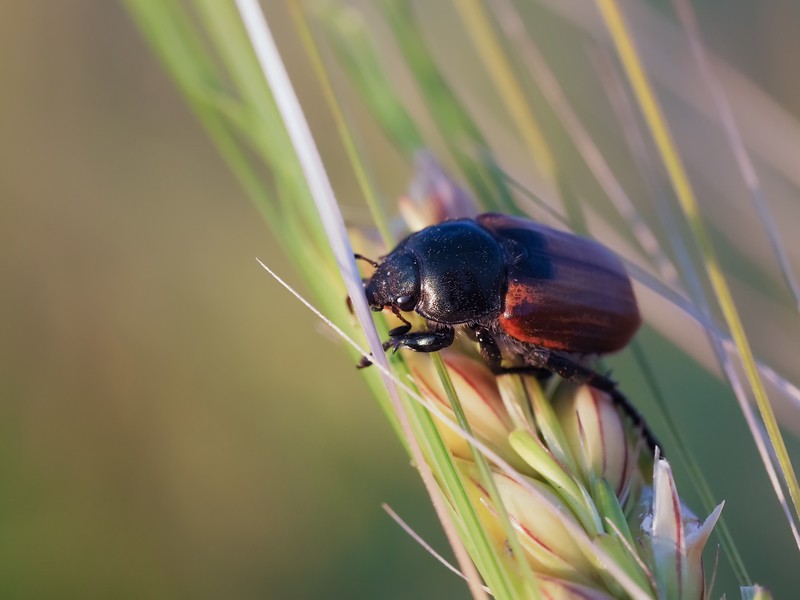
563,292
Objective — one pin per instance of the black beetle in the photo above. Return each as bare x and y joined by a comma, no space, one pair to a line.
545,300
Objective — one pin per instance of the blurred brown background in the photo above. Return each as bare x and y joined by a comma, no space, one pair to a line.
168,426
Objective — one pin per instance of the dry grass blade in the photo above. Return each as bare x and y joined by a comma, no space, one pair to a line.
425,545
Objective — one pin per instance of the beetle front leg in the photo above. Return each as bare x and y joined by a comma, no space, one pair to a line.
422,341
419,341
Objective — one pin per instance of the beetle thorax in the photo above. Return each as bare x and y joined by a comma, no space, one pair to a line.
462,272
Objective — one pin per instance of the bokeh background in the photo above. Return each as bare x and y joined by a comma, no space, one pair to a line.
173,424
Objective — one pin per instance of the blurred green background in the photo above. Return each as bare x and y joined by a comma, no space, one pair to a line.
172,423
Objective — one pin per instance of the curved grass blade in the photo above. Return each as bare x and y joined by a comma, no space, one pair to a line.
751,179
663,139
350,39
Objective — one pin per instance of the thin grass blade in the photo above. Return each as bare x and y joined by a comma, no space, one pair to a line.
734,136
672,161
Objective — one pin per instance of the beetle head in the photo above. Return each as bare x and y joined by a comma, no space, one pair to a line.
394,283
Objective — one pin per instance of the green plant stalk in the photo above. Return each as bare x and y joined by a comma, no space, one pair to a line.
358,56
353,155
499,69
488,480
484,552
457,128
307,155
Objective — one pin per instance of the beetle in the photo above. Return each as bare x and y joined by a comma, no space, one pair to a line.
535,298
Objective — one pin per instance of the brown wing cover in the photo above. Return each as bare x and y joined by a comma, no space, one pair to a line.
564,292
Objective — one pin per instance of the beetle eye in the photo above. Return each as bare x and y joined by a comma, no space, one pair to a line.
405,303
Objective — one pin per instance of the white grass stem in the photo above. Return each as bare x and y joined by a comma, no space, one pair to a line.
321,190
425,545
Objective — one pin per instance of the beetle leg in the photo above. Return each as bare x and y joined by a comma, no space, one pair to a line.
570,370
395,333
490,351
422,341
573,371
393,342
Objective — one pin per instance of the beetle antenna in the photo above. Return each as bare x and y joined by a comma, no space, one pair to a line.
365,259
